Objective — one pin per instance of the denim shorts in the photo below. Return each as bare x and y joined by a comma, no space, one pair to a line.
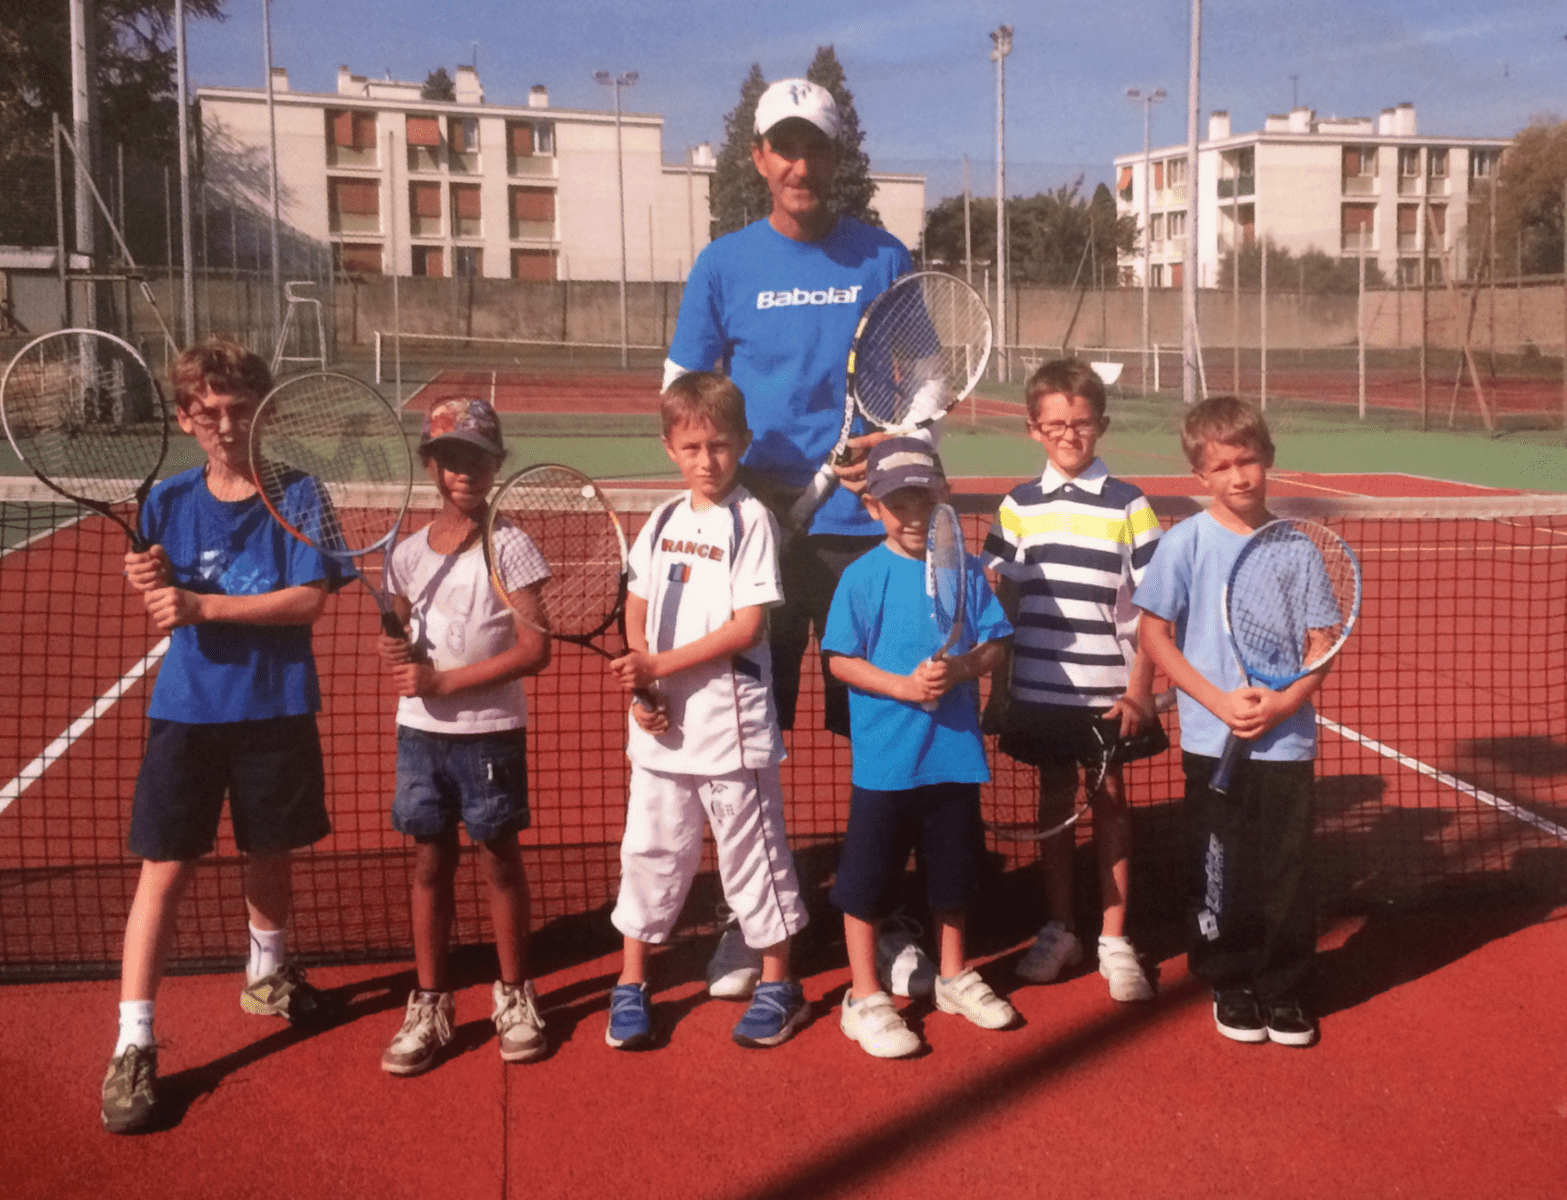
270,770
480,779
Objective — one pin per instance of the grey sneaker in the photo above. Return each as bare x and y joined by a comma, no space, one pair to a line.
735,967
426,1031
284,993
517,1020
130,1090
902,966
1055,949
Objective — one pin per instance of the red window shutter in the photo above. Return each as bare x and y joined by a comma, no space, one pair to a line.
1358,218
521,137
361,260
426,199
424,131
342,128
456,135
1351,161
1438,219
1176,278
532,204
1125,182
535,265
359,196
364,131
1158,177
465,201
1408,218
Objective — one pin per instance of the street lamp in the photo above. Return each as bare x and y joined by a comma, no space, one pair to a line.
1001,46
627,79
1149,99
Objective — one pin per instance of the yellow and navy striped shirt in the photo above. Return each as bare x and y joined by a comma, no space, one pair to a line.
1076,549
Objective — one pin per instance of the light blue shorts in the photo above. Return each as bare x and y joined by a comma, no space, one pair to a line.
480,779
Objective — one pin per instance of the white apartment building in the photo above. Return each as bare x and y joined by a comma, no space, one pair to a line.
396,183
1346,186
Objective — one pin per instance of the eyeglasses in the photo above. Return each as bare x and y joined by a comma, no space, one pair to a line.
211,418
1057,430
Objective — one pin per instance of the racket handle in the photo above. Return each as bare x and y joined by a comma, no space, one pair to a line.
391,626
1234,751
645,699
820,487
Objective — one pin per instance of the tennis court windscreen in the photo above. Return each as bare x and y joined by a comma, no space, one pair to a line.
1442,764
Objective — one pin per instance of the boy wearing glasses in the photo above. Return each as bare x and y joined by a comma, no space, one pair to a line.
232,714
1065,553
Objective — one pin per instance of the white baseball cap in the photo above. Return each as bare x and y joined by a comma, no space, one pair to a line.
797,98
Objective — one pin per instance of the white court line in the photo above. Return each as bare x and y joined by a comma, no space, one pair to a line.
1550,828
56,749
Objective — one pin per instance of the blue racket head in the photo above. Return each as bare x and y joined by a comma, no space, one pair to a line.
946,571
1292,598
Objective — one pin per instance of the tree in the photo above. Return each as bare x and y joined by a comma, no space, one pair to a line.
438,85
739,195
1314,272
852,190
1529,201
1056,237
136,94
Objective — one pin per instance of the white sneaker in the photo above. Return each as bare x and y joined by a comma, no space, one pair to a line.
970,996
1054,950
517,1020
1118,963
876,1025
733,970
426,1031
902,966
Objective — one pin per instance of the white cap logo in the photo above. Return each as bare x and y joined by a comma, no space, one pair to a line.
797,98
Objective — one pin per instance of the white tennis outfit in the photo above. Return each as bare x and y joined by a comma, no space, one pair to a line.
718,762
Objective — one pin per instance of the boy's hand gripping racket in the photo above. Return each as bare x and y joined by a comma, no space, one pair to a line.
1289,605
1002,817
946,578
333,466
561,515
83,411
919,349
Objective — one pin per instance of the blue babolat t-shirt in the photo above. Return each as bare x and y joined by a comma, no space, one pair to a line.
881,613
778,316
219,672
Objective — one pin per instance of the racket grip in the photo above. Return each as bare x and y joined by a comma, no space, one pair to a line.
1234,751
391,626
821,485
645,699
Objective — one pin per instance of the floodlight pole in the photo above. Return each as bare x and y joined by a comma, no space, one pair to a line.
627,79
1189,269
1001,41
1149,99
187,244
272,188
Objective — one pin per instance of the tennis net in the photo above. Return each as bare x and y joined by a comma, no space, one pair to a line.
1442,766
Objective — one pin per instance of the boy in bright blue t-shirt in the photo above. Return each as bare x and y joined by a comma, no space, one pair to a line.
917,772
232,713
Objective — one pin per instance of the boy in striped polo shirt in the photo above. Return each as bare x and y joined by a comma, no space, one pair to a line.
1065,553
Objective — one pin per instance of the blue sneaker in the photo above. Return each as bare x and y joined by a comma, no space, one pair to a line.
630,1017
776,1011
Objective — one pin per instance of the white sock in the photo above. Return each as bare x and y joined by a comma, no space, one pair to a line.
1110,942
266,952
135,1025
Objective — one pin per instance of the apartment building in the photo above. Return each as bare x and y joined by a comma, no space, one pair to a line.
396,183
1347,186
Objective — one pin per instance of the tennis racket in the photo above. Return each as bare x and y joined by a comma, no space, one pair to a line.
333,465
555,515
1290,602
83,411
919,349
1010,820
946,578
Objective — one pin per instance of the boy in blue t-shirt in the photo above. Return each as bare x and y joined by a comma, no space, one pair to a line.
917,772
232,712
1253,920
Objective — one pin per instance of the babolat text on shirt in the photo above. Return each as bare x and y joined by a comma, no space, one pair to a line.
796,296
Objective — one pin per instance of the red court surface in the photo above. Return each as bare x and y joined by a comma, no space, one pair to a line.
1442,1073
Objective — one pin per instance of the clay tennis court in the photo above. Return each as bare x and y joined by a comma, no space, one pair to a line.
1441,1070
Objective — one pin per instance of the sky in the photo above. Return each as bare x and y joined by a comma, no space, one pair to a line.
921,74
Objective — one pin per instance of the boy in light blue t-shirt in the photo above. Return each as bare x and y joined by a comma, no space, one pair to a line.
917,772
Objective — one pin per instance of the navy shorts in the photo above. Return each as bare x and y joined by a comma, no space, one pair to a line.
270,770
1048,735
940,823
480,779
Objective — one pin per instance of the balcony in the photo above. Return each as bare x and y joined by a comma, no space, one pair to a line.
534,230
534,166
350,156
1246,185
1357,241
1436,185
1360,185
1409,185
